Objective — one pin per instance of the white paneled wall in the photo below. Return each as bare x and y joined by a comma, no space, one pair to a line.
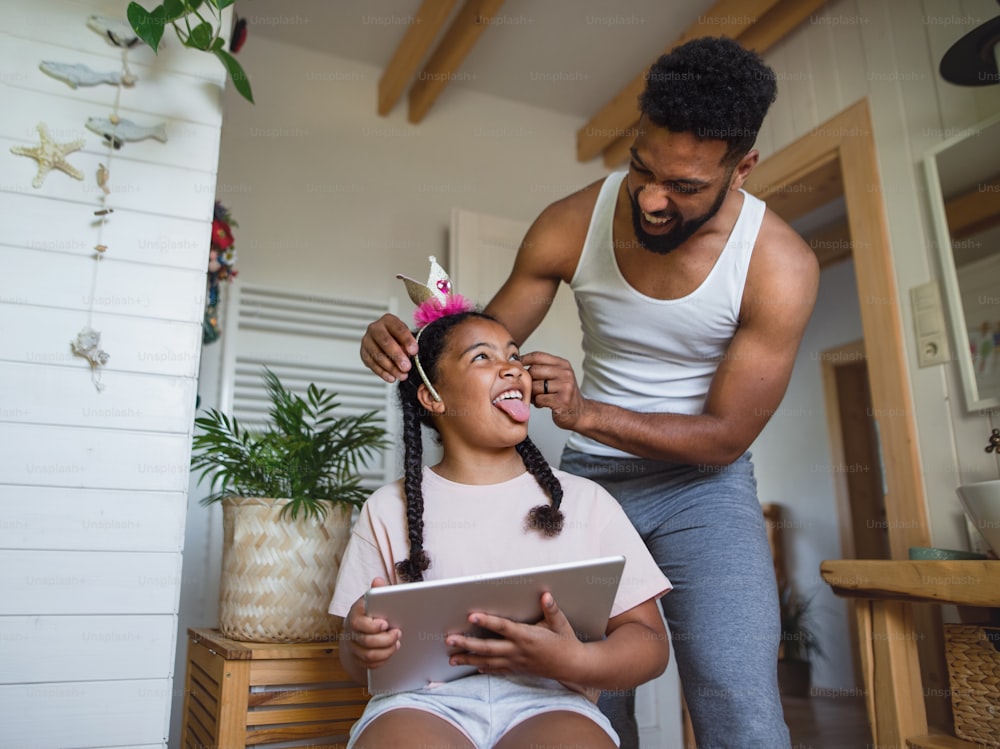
93,484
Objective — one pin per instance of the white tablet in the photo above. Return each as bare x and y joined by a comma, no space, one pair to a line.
427,612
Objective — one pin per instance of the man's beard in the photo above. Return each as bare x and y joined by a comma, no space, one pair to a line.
661,244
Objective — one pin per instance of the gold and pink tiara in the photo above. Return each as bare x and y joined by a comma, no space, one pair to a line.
435,299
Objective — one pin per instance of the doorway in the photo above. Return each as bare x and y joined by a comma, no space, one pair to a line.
858,484
853,432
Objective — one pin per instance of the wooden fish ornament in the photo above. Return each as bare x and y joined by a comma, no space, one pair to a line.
117,130
79,75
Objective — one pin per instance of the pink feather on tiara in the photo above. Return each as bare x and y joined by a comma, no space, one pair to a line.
432,309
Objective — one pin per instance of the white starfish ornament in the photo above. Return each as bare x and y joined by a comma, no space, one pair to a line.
50,155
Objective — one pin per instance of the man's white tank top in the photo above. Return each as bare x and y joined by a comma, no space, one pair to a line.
654,355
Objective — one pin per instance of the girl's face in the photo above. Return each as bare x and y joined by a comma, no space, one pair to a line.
485,390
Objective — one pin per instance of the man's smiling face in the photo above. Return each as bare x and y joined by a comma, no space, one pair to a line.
676,184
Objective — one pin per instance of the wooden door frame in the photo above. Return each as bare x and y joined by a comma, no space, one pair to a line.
848,139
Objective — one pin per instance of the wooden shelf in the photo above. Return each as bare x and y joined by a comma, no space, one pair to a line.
888,651
241,694
235,650
958,582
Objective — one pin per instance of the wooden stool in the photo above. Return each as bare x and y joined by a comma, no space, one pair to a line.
240,694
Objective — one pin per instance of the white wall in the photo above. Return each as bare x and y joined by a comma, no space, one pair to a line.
332,198
93,485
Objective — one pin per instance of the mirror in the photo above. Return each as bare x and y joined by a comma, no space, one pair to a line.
963,180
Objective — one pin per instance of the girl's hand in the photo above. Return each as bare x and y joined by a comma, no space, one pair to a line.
369,641
549,648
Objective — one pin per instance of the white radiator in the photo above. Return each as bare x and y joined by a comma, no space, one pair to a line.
303,339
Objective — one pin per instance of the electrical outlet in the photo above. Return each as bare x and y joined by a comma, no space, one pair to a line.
928,323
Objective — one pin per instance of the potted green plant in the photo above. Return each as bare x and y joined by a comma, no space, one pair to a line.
799,644
288,492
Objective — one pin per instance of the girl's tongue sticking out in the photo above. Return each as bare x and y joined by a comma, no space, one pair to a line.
512,405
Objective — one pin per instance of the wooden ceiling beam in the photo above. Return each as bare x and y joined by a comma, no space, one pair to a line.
619,151
472,20
726,18
424,28
611,130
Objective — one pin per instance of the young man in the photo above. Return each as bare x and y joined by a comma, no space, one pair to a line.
693,298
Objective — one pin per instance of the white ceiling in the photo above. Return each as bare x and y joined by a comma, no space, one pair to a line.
571,56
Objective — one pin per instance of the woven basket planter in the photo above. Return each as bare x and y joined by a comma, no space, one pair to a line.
278,574
973,655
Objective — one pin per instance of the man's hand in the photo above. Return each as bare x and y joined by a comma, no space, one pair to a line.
369,641
554,386
387,347
549,648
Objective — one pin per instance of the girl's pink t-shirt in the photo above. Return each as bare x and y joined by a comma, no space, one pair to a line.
472,529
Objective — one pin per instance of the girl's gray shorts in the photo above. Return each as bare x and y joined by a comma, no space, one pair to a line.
485,707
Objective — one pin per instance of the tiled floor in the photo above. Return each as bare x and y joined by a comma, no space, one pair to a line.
827,722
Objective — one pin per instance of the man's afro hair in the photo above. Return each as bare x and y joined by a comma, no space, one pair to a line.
713,88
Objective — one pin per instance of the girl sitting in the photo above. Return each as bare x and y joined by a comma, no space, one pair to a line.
492,503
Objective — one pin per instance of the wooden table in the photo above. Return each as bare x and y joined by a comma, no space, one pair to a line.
240,694
893,688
